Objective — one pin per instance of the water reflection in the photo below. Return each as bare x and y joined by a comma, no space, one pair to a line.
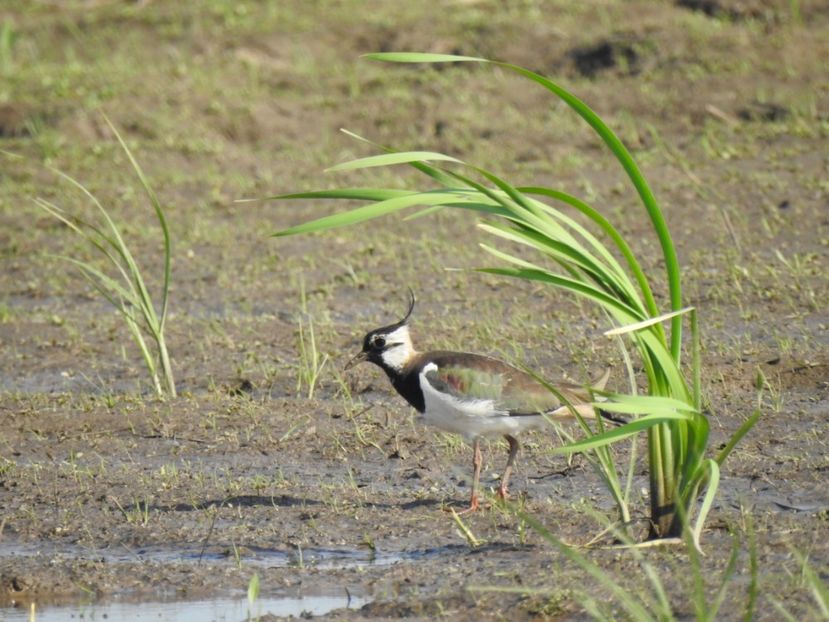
216,610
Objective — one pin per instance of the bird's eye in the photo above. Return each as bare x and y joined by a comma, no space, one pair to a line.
378,342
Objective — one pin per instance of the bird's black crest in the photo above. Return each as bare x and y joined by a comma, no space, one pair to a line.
412,301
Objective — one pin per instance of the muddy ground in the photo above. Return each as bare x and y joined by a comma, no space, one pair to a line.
325,484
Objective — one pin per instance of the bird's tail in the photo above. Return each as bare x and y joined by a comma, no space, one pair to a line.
612,417
586,410
601,382
599,385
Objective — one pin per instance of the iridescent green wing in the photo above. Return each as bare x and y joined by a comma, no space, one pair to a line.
464,383
474,378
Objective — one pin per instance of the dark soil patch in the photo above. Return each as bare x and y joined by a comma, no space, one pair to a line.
623,54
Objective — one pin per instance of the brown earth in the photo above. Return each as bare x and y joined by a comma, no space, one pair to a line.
332,485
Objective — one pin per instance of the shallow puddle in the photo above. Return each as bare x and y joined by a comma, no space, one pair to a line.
215,610
248,556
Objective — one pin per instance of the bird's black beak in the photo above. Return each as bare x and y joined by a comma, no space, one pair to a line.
361,356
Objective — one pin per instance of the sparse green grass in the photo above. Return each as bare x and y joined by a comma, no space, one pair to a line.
136,512
127,290
225,99
311,361
650,602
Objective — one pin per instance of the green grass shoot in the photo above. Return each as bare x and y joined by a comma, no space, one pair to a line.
127,290
311,360
594,262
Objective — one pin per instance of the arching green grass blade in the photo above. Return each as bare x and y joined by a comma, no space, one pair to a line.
610,231
634,608
388,159
611,140
162,221
369,212
707,501
362,194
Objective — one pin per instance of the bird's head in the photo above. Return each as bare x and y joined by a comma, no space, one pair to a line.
389,347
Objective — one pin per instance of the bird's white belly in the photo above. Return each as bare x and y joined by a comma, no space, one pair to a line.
471,418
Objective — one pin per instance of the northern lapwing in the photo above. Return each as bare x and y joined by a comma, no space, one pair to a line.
472,395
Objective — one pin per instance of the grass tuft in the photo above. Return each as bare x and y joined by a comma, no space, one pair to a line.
127,291
311,360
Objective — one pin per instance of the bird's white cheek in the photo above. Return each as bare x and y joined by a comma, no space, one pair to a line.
396,357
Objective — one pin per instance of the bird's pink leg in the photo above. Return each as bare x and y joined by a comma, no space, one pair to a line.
514,445
477,463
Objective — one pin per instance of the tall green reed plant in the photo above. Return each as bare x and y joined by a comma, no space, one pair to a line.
126,291
593,261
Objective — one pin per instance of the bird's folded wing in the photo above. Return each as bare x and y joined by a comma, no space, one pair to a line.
511,393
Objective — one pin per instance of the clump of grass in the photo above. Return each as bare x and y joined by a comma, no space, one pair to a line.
594,262
654,602
311,361
127,290
817,586
705,589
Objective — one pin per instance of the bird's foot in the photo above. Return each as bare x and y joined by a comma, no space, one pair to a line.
474,506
